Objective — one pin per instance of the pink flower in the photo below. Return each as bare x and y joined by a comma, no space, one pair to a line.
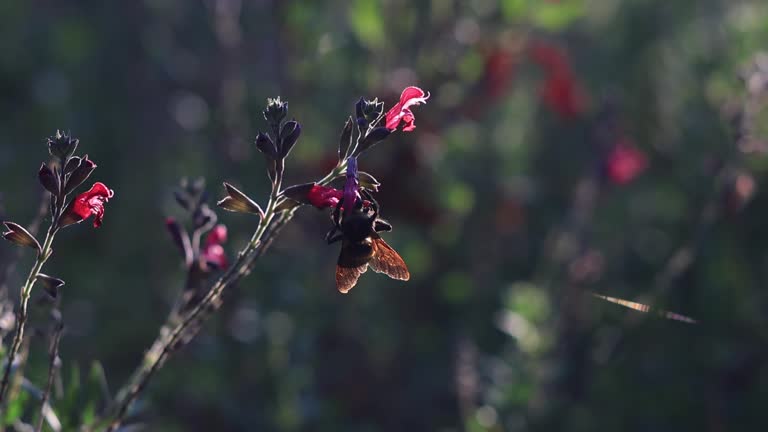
90,203
401,112
213,251
625,162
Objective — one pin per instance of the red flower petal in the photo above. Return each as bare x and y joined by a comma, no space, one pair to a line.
322,196
90,203
401,112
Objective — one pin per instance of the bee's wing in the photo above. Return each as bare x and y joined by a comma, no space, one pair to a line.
386,260
346,277
645,308
350,266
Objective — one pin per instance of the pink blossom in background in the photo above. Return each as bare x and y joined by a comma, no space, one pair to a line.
213,251
625,162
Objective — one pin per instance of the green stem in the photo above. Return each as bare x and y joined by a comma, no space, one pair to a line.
53,365
21,317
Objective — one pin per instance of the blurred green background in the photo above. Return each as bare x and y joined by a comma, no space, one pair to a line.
505,203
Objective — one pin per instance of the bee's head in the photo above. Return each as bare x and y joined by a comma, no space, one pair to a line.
358,223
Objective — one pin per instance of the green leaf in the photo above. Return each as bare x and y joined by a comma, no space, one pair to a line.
16,408
365,18
557,16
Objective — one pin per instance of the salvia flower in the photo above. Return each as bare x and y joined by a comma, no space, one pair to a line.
87,204
324,196
401,112
213,251
625,162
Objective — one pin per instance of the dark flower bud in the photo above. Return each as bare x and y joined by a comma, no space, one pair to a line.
180,239
276,111
376,135
359,112
48,179
265,145
289,134
272,169
239,202
195,187
62,145
368,111
72,164
345,140
204,218
80,174
19,235
182,198
50,284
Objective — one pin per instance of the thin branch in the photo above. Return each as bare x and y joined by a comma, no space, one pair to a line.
53,366
9,266
26,292
169,341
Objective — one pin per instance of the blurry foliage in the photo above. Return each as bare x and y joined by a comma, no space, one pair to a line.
493,332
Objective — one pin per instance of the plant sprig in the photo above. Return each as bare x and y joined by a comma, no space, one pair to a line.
65,174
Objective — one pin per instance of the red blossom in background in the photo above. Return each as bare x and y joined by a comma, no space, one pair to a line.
213,251
401,112
562,96
625,162
499,72
90,203
560,91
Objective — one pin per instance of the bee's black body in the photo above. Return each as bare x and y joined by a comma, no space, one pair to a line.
361,244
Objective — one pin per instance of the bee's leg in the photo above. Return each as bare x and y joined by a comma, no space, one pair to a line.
381,225
374,204
336,215
332,237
